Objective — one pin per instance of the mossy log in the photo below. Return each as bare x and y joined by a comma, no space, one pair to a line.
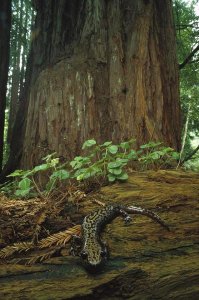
146,261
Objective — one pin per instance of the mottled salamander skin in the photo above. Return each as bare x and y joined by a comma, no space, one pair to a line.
93,250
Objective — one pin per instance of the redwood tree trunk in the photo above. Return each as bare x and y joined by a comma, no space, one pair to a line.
5,23
14,97
102,69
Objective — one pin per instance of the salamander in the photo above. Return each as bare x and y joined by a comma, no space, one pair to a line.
90,247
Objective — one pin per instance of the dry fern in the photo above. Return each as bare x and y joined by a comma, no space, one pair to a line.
60,238
56,241
40,219
41,257
16,247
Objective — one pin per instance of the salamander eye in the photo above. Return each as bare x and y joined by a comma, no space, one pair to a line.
83,255
103,253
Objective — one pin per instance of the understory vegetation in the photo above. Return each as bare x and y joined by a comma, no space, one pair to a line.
101,164
187,33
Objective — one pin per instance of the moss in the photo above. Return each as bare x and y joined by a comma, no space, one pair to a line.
146,261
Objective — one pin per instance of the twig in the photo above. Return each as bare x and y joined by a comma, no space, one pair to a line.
184,135
99,202
190,155
38,190
189,57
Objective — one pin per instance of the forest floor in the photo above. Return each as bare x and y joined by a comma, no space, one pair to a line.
146,261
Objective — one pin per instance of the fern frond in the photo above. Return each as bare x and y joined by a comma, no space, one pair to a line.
16,247
42,257
60,238
40,219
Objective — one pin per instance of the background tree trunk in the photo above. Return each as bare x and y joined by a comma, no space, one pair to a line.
5,24
18,82
102,69
14,97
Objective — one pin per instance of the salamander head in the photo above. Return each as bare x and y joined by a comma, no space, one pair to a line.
94,255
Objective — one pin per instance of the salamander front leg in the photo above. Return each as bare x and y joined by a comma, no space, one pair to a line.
105,250
76,245
127,218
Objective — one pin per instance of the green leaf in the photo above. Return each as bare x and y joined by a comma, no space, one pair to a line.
60,174
95,169
154,155
73,163
140,152
124,161
79,161
113,149
160,153
42,167
132,154
24,184
80,171
111,178
175,155
116,171
78,158
125,145
166,149
81,177
49,157
76,165
82,174
123,176
89,143
18,173
29,173
106,144
88,172
114,164
22,193
150,145
86,160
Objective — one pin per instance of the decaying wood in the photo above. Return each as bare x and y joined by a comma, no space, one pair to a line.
30,220
146,261
18,219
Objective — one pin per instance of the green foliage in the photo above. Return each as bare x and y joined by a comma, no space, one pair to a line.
193,164
187,33
157,155
24,187
102,163
88,143
26,184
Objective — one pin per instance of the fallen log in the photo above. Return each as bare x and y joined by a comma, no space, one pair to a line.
146,261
